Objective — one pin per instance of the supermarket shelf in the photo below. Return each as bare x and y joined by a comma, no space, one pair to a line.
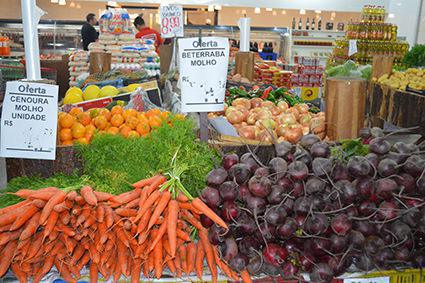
313,46
329,38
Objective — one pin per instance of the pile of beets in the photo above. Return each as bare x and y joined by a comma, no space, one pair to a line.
307,212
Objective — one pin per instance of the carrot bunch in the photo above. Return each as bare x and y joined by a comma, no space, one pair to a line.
143,230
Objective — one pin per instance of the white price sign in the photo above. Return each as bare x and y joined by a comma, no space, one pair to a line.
352,47
368,280
29,121
171,17
203,73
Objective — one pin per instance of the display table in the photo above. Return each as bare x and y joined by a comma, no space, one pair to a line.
400,108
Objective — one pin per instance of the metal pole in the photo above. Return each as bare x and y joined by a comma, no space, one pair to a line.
31,14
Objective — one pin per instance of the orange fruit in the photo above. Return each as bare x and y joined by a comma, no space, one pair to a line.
164,115
154,121
82,140
153,112
143,129
117,109
113,130
132,122
65,135
117,120
129,112
75,111
105,112
88,136
78,130
84,118
90,129
141,116
70,142
179,117
100,122
94,112
125,130
60,115
66,120
133,134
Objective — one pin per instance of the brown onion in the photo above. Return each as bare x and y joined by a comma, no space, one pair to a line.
243,102
244,111
267,104
235,117
263,135
317,124
266,123
276,111
229,110
302,108
281,130
256,102
247,132
264,113
252,118
305,118
294,133
287,118
294,111
283,106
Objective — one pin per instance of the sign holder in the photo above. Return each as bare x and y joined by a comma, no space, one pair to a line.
203,116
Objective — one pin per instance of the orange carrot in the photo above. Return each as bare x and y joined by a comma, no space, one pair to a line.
80,200
101,196
182,198
100,213
173,214
84,260
122,256
136,267
94,272
9,236
35,245
51,222
46,267
65,217
54,200
60,207
191,257
65,229
178,265
17,271
189,206
23,215
201,206
163,202
148,203
183,258
126,197
191,219
88,195
78,253
155,184
109,218
166,246
158,236
44,195
144,221
246,278
169,261
146,269
6,256
126,212
64,271
14,207
71,195
145,182
89,221
5,227
209,253
38,203
183,235
157,254
31,227
101,229
134,203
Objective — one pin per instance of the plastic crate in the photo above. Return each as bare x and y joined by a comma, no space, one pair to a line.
404,276
118,83
268,56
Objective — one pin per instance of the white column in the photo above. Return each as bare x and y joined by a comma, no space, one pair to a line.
405,14
421,30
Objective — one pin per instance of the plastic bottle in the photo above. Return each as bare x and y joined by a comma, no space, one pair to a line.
4,46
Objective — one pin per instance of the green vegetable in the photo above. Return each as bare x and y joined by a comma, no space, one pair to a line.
348,148
114,162
415,57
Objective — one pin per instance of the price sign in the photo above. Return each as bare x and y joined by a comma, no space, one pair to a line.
368,280
309,93
29,121
352,47
171,17
203,73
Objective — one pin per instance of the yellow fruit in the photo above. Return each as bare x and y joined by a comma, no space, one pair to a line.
74,90
78,130
132,87
72,98
108,91
91,92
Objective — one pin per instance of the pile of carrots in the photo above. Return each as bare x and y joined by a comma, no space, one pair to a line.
144,230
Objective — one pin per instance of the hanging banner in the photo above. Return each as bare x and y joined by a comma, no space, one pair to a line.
29,121
203,67
172,21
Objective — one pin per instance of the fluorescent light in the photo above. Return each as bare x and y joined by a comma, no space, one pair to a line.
210,8
391,16
243,12
302,12
283,12
62,2
317,11
333,14
72,4
218,7
54,1
274,13
78,6
257,10
269,9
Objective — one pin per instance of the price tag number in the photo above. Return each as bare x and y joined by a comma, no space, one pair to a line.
169,24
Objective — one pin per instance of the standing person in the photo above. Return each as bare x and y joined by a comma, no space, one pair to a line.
145,32
88,33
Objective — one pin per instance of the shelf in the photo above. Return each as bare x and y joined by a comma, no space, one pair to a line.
329,38
313,46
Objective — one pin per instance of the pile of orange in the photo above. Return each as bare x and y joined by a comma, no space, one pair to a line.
78,126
